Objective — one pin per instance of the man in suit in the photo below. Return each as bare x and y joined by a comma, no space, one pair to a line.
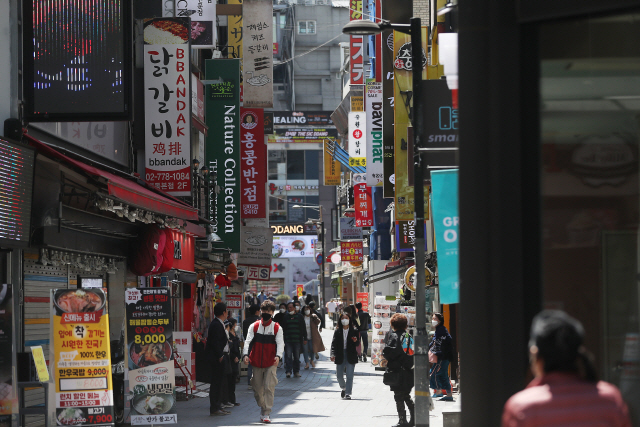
217,346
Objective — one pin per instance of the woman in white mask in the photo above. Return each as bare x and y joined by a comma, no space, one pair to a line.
344,354
314,340
440,355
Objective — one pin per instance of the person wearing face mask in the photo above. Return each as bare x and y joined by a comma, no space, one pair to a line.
344,354
253,315
263,350
440,355
297,306
295,336
281,311
398,352
314,341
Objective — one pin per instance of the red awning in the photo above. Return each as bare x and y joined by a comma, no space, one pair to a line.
200,125
126,190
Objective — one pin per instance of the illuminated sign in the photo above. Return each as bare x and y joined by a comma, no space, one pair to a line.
288,229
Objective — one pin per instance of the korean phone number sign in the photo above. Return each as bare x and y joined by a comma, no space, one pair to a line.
81,357
357,138
167,110
351,251
253,161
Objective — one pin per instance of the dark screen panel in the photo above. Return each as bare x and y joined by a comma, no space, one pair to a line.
77,60
16,193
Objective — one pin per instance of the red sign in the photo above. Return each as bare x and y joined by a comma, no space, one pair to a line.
363,205
253,163
234,302
351,251
356,47
363,297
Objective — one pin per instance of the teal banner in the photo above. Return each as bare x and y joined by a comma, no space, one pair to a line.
444,207
223,149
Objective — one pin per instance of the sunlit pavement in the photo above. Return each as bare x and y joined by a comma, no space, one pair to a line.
313,400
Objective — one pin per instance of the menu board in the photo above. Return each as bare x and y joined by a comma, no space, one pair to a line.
152,379
8,395
82,357
382,312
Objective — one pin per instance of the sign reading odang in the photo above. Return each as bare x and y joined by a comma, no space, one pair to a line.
167,105
258,53
357,138
356,47
373,102
253,161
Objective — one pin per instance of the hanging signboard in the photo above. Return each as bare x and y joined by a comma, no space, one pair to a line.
257,33
203,21
349,230
357,139
331,168
149,352
363,205
268,123
167,105
256,244
356,47
223,149
253,162
81,357
234,39
445,224
351,251
374,102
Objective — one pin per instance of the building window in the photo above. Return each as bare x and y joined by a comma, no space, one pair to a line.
295,164
306,27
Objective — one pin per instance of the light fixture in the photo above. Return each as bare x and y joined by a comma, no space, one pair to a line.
111,266
196,164
44,257
213,237
446,9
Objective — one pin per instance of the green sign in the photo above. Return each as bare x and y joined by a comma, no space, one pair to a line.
223,149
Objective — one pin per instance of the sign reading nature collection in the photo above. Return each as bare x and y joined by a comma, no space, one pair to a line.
150,354
81,357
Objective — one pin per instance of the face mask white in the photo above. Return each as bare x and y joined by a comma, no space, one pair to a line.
344,322
434,323
306,312
292,312
297,308
282,310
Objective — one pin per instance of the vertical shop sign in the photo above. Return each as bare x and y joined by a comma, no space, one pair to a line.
234,39
363,204
166,104
356,47
357,138
445,224
363,297
223,148
81,357
258,53
256,246
351,251
253,161
149,351
331,168
9,396
268,123
203,21
404,196
373,97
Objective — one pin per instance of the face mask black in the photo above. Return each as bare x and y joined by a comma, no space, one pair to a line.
266,317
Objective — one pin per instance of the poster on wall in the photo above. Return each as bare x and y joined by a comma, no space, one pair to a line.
167,105
203,21
253,162
383,309
357,138
81,357
8,393
151,367
373,101
257,34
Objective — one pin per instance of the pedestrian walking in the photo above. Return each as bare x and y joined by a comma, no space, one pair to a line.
252,315
297,306
281,311
263,350
295,336
216,349
261,297
565,390
314,340
440,355
234,359
312,306
365,324
399,373
344,354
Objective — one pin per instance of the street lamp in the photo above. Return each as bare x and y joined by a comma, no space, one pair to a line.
363,27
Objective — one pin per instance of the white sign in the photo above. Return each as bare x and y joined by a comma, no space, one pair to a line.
183,341
167,115
293,246
357,138
257,51
348,229
203,21
373,107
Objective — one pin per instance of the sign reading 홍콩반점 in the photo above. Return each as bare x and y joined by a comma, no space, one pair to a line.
150,355
81,357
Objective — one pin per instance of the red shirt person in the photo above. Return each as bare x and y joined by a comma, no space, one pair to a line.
565,391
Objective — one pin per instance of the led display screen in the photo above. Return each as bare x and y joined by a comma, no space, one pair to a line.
16,193
77,60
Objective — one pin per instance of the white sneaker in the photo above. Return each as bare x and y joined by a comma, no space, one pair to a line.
265,419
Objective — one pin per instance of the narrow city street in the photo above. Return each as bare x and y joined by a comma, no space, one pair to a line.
314,400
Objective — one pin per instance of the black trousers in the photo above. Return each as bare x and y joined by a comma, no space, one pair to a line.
231,388
402,397
215,389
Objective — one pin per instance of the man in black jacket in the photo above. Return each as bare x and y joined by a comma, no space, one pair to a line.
295,336
365,321
253,315
217,346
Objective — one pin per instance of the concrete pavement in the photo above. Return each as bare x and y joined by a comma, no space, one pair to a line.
314,400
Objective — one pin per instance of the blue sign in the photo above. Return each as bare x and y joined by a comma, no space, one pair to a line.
444,207
319,259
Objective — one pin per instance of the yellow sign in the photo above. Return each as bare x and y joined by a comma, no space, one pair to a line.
299,289
357,103
404,197
41,364
331,168
234,37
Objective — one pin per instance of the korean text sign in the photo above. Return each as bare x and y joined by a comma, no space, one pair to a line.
356,47
150,355
81,357
351,251
357,139
373,101
253,161
363,205
257,48
167,110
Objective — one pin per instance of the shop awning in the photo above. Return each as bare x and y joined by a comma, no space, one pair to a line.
200,125
388,273
124,189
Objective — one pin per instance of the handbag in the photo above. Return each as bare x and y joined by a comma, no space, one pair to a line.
392,379
433,358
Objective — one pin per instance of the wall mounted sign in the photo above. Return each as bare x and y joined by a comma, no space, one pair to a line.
306,135
374,103
256,244
257,34
203,21
349,230
331,168
351,251
268,123
293,246
303,118
357,138
253,155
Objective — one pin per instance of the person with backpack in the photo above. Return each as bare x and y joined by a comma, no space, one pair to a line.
440,355
365,322
399,373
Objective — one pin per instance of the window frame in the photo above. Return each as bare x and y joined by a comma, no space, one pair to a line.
306,22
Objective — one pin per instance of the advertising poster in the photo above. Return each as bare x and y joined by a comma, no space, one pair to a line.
255,252
203,21
404,197
167,105
257,36
351,251
382,311
150,355
331,168
293,246
373,101
363,204
357,139
356,47
253,155
363,297
8,393
223,148
445,224
81,357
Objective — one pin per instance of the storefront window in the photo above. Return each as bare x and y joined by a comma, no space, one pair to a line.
590,123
